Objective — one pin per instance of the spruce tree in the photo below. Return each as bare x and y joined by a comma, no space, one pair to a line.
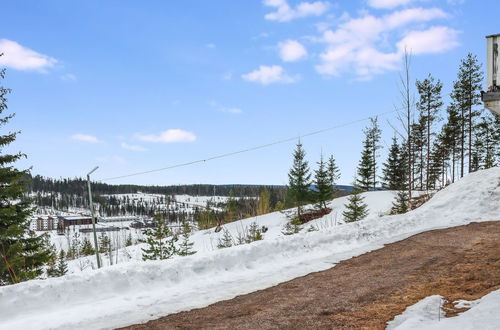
365,166
254,233
129,242
160,241
87,248
373,135
356,209
104,243
401,204
322,180
22,256
299,179
60,268
226,240
186,247
333,174
392,168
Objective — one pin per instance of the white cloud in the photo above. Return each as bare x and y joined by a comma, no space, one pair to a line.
210,45
168,136
68,77
85,138
285,13
18,57
132,147
266,75
222,108
388,4
363,45
437,39
291,51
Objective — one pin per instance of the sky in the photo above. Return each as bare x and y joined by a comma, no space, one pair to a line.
132,86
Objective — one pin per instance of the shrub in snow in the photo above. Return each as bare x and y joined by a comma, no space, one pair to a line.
160,241
225,241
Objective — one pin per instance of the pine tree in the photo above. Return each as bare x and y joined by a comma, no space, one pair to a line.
333,172
264,203
87,248
429,106
160,241
401,204
22,256
104,243
231,207
392,168
365,166
299,179
322,180
225,241
186,247
254,233
466,94
356,209
373,135
60,268
129,242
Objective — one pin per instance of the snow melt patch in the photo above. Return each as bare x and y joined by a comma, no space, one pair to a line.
139,291
483,314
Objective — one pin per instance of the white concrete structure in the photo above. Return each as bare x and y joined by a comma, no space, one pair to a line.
491,98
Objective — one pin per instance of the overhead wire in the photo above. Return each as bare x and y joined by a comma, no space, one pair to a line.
203,160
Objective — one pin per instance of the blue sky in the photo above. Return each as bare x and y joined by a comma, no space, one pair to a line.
137,85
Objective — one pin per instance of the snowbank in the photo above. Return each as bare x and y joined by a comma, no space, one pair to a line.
138,291
483,314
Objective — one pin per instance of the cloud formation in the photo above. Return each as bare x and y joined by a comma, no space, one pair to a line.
168,136
85,138
266,75
284,12
132,147
388,4
222,108
360,44
18,57
291,51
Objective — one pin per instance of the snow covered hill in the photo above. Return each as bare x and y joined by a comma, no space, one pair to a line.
138,291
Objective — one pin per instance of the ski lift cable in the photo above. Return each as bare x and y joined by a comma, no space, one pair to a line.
248,149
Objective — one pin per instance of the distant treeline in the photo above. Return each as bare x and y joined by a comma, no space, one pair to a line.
78,186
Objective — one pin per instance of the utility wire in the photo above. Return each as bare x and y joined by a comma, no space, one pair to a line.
247,150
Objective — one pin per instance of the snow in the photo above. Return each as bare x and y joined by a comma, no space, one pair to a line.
483,314
137,291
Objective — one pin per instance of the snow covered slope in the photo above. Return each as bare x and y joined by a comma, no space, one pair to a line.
138,291
483,314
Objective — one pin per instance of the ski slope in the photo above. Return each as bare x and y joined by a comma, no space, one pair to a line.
137,291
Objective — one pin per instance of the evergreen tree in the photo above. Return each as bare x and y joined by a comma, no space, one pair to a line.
225,241
392,168
356,209
365,166
291,227
401,204
160,241
299,179
60,268
87,248
429,105
231,208
264,202
22,255
322,180
104,243
373,135
254,233
466,94
129,242
186,247
333,174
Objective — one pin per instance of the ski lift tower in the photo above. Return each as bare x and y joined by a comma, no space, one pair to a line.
491,98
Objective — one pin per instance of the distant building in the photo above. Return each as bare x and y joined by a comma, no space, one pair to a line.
46,223
119,218
67,221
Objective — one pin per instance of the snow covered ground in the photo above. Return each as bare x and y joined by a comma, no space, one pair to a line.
137,291
427,314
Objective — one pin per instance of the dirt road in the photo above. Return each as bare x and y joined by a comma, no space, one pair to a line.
366,291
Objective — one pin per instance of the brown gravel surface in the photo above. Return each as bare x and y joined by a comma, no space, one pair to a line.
366,291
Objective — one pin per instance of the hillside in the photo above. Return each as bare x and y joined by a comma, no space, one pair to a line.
135,292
